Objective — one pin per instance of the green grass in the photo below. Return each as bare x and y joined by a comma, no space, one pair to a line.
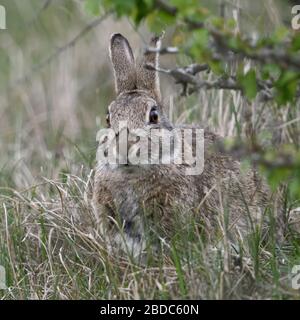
49,243
51,250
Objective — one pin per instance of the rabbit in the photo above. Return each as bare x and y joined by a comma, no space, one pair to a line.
129,200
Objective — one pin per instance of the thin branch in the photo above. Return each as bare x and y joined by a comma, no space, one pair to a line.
186,76
183,76
277,56
64,48
196,68
166,50
265,55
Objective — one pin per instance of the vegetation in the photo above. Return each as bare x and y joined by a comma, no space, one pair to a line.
238,69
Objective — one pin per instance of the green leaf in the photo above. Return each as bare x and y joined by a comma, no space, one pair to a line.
124,7
270,70
286,86
93,6
185,7
248,83
280,35
202,37
158,21
141,10
295,45
217,67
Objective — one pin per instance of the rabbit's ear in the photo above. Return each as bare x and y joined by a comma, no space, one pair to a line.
149,79
123,62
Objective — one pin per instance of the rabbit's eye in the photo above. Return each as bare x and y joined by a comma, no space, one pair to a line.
108,120
153,117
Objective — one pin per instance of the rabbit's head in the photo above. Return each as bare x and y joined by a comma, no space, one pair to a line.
138,100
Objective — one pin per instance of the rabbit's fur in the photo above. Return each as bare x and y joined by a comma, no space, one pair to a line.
130,198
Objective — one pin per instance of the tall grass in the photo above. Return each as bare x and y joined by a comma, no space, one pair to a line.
50,245
51,249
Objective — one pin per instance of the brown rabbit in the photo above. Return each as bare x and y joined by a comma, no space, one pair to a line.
131,199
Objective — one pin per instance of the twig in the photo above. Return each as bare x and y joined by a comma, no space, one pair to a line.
265,55
196,68
166,50
62,49
186,76
183,76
